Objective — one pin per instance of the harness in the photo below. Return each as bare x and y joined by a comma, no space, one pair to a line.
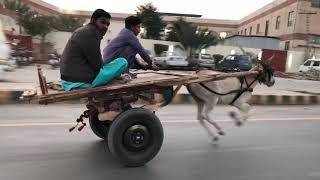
238,91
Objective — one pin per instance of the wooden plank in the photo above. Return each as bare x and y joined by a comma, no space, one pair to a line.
144,82
42,81
138,85
173,73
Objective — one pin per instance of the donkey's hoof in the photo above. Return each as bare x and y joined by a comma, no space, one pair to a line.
239,123
232,114
215,139
221,133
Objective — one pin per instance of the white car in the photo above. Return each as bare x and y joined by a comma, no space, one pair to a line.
310,64
204,60
171,59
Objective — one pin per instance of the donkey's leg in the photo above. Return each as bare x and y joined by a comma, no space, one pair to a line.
210,133
243,108
206,113
200,105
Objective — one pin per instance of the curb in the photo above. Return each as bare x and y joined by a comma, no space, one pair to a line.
13,97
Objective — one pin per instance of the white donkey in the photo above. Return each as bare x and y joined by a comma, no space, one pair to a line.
234,91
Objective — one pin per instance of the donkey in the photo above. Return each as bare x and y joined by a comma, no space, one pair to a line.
234,91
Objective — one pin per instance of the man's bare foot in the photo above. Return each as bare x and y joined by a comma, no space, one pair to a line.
132,76
124,78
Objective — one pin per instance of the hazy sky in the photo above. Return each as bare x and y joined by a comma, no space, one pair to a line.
214,9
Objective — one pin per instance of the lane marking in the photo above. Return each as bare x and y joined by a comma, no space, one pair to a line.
164,121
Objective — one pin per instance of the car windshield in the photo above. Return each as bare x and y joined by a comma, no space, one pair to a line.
230,58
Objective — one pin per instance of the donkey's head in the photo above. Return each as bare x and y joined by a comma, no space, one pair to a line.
265,70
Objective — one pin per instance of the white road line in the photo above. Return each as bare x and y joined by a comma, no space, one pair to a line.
164,121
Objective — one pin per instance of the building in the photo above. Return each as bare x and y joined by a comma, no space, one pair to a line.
258,42
294,22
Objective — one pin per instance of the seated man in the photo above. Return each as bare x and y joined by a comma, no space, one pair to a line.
81,61
126,45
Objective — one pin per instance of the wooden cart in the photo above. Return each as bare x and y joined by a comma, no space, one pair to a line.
134,135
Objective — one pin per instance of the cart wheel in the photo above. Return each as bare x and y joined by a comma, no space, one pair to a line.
135,137
99,128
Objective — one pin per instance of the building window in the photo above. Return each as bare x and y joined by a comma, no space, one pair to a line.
245,32
278,22
258,29
315,3
287,46
250,31
314,39
241,32
290,19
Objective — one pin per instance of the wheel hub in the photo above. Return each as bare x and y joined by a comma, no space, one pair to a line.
136,137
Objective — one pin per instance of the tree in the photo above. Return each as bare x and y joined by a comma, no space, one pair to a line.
16,5
191,37
151,21
176,29
67,23
36,24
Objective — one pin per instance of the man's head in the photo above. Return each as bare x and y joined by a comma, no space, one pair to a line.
101,19
133,23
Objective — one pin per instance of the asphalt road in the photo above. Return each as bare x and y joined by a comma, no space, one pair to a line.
278,142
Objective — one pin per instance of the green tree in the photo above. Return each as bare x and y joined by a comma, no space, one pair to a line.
67,23
36,24
176,29
16,5
151,21
191,37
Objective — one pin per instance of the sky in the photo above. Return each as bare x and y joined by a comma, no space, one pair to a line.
212,9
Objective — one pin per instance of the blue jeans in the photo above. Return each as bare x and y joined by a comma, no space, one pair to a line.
107,73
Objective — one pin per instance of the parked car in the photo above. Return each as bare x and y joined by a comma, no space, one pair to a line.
204,61
171,60
235,62
310,64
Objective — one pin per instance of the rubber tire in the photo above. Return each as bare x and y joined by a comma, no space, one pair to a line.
99,128
119,126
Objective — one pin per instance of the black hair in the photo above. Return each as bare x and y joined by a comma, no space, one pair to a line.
100,13
132,21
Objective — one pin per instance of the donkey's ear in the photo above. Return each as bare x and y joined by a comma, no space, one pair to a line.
270,59
255,68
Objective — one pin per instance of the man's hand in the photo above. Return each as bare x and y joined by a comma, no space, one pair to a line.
154,67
